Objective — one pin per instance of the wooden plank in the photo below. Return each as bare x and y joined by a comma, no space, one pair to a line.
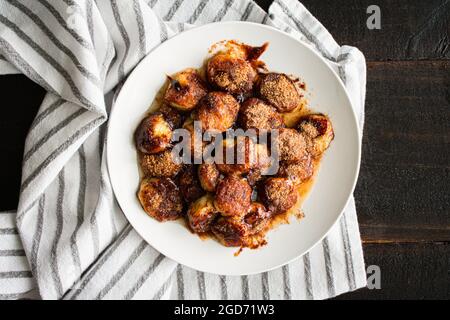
408,271
410,29
407,113
403,188
382,233
21,99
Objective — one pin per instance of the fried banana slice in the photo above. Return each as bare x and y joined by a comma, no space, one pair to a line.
233,196
185,90
201,214
161,199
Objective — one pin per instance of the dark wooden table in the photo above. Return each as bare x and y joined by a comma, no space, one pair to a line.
403,193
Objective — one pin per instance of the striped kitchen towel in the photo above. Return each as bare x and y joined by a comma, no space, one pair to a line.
68,238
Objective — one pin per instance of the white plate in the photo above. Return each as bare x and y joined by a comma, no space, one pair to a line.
334,183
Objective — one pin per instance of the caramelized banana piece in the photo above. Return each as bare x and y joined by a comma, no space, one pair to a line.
238,231
239,50
160,164
208,175
280,91
258,115
171,115
262,162
238,156
201,214
231,231
161,199
233,196
233,75
153,134
318,131
234,69
217,111
297,171
257,218
185,90
278,194
195,141
189,184
291,145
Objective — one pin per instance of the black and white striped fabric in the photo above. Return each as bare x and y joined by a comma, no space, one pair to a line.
69,239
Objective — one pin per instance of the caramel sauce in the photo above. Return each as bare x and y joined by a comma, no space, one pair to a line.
159,98
291,118
296,211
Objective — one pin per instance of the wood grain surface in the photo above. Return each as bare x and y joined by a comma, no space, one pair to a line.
403,192
410,29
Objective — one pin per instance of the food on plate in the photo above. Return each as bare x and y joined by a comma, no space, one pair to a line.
280,91
318,133
236,156
233,196
160,198
259,115
208,175
185,90
257,218
297,171
231,231
171,115
189,183
201,214
153,134
161,164
278,194
234,187
262,161
217,111
194,139
234,69
291,145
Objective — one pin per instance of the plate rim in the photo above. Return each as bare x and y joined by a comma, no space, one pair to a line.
314,52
